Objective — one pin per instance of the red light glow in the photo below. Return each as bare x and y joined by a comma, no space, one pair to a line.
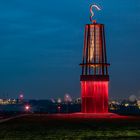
59,109
94,96
21,97
27,108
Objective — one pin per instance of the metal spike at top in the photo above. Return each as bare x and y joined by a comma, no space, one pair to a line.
92,13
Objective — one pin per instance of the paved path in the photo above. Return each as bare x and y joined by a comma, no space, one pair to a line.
13,117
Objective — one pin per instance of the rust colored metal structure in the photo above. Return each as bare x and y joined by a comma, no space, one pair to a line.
94,78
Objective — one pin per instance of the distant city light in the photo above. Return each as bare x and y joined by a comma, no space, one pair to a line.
21,95
27,107
126,105
59,100
59,108
67,98
53,101
132,98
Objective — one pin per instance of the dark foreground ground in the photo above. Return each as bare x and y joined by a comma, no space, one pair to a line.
43,127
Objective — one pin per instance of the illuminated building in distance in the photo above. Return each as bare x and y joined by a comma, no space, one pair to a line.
94,78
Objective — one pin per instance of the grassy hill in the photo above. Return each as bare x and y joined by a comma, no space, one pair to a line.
44,127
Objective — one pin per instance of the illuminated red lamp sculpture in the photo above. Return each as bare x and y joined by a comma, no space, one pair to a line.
94,78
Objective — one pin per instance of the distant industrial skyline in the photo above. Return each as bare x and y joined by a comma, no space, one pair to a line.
41,46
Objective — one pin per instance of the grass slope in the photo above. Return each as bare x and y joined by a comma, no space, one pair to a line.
43,128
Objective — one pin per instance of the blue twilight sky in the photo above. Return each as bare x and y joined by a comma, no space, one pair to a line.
41,45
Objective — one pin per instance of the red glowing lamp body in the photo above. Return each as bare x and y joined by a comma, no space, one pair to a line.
94,78
94,96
